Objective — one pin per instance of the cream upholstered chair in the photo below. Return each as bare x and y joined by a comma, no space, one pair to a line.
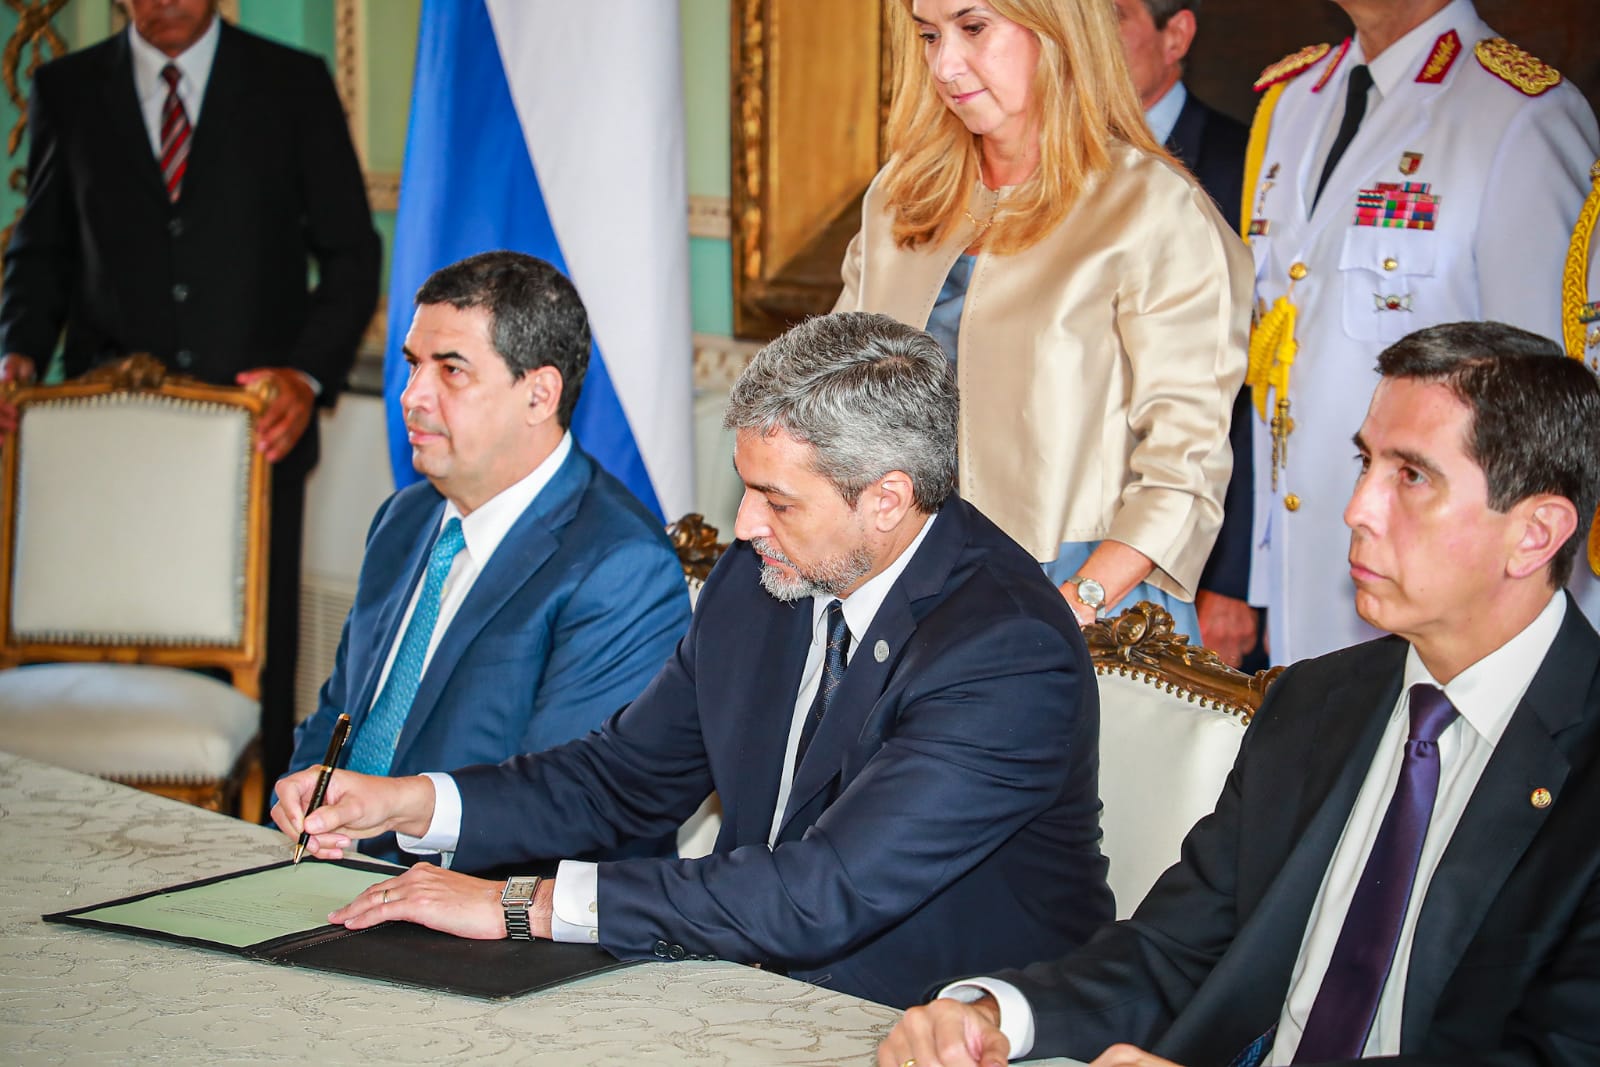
1171,719
698,551
134,545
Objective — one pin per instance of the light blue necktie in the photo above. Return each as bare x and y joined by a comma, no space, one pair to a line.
373,749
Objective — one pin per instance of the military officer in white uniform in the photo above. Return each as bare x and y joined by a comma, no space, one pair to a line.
1454,199
1580,324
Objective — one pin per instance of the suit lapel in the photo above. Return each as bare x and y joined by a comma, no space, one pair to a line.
764,720
209,148
1283,860
125,119
386,623
1499,822
1188,134
532,540
867,675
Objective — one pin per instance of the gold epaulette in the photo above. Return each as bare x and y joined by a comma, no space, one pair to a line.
1521,70
1290,65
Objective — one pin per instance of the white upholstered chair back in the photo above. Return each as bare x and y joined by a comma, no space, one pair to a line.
1171,719
135,511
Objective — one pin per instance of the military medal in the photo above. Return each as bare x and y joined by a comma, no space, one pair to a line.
1409,162
1397,206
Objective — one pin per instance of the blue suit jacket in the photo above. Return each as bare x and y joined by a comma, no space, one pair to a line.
577,610
945,816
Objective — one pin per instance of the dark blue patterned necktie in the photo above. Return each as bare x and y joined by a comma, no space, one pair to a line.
1347,1001
833,665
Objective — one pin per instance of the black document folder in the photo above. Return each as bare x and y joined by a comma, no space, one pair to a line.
394,952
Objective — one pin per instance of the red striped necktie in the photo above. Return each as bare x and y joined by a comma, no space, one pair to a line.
174,134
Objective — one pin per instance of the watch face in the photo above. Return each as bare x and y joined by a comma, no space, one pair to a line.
519,891
1091,592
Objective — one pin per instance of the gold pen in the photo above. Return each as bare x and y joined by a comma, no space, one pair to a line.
341,730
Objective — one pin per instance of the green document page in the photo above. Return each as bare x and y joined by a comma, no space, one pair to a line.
251,908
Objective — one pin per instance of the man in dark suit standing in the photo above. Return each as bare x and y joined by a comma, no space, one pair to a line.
1156,35
182,178
1402,862
892,701
521,595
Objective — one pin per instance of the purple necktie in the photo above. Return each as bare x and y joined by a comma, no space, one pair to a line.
1347,1003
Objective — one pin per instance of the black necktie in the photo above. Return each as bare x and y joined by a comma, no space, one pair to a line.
833,664
1347,1003
1355,109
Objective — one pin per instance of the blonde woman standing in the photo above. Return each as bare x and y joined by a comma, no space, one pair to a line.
1093,300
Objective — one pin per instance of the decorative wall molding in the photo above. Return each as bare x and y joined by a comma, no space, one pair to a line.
383,190
350,69
709,216
718,360
36,36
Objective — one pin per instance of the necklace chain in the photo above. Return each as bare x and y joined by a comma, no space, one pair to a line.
982,227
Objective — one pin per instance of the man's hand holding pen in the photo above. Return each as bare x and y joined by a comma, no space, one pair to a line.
356,806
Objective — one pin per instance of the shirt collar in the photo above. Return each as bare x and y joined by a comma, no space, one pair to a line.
489,523
1163,117
1402,60
861,606
194,63
1487,692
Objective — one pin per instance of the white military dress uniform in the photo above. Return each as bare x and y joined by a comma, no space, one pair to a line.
1498,166
1580,294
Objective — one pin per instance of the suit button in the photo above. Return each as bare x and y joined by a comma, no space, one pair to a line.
660,949
180,292
184,358
675,952
175,227
1297,271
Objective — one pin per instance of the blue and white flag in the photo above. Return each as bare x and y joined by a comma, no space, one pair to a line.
556,129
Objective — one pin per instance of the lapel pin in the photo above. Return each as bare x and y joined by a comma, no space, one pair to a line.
1409,162
880,651
1540,799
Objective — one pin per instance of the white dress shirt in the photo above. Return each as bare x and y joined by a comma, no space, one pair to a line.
1163,117
483,531
576,908
194,64
1486,694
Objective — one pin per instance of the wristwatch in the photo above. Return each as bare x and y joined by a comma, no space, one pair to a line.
515,899
1091,592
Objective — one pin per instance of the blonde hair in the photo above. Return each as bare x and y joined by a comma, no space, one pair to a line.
1084,101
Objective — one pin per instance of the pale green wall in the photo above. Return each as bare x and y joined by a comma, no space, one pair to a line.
391,29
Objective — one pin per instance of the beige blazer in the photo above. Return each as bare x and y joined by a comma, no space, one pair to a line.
1097,369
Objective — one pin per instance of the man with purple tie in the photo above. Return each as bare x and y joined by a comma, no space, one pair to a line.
1402,862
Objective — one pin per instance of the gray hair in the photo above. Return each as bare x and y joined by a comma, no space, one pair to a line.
869,394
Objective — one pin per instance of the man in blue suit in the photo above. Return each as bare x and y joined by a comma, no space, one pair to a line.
895,706
522,594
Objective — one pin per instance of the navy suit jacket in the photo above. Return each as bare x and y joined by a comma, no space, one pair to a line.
1504,967
575,612
1212,145
945,813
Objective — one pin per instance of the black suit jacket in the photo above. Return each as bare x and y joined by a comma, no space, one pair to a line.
216,283
1504,969
946,812
1213,146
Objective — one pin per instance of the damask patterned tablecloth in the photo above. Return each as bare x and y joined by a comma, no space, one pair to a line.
72,995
